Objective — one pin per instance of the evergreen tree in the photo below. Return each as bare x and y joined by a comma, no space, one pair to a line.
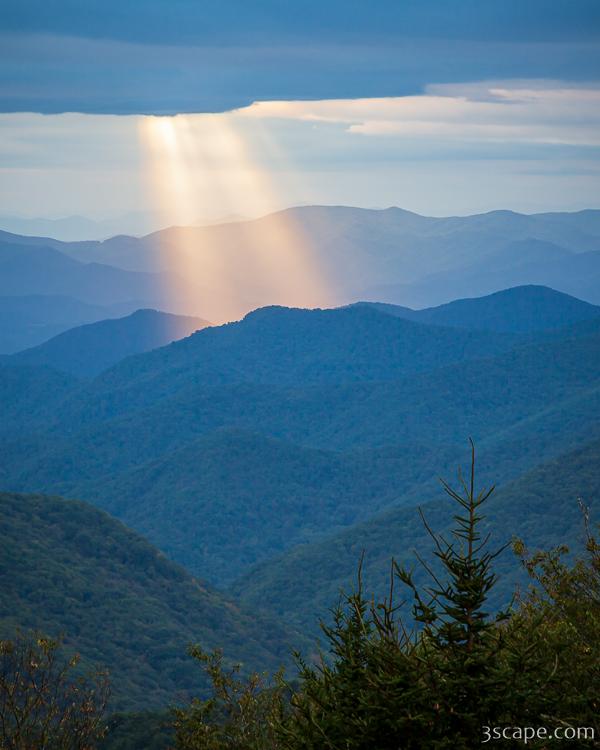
457,670
435,685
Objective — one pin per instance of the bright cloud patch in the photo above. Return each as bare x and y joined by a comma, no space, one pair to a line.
456,148
533,112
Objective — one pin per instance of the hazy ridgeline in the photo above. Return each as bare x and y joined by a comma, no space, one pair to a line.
166,480
302,257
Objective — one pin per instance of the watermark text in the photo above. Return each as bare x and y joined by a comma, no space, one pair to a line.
530,734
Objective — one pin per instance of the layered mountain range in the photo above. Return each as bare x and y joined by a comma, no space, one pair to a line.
221,272
184,482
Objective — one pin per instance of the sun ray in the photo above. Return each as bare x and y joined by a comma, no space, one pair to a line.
205,163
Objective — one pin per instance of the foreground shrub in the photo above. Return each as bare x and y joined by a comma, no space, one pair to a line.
242,712
46,703
438,683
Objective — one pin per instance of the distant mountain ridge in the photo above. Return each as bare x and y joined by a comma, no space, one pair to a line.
574,274
266,453
28,320
81,228
523,309
567,233
389,255
41,268
89,349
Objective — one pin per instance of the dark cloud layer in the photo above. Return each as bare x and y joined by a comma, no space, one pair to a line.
220,21
167,56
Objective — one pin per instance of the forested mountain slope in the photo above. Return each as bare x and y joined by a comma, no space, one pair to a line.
30,319
223,475
288,346
541,507
87,350
67,568
231,498
29,394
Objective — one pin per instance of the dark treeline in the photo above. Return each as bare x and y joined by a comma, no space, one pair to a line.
447,675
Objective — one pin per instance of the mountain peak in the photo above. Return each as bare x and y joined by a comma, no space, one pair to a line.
520,309
89,349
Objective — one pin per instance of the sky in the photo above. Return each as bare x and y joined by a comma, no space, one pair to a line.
203,110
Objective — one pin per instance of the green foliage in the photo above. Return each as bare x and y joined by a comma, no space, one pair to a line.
45,701
29,395
540,507
355,696
433,686
241,713
190,461
438,683
67,568
236,444
147,730
224,449
237,498
566,599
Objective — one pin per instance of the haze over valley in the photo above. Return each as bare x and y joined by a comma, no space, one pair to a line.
310,256
307,437
299,375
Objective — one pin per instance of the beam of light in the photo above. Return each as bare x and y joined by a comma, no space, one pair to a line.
197,277
203,164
